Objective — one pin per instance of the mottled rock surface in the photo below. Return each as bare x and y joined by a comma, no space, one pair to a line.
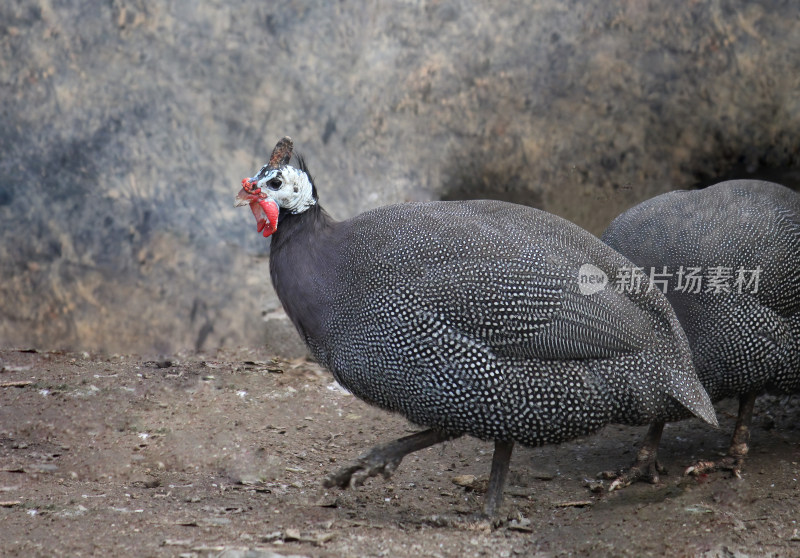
126,127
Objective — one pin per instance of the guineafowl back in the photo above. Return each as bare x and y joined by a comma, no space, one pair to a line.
469,317
732,253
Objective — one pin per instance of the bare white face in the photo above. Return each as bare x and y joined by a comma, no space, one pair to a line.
276,187
289,188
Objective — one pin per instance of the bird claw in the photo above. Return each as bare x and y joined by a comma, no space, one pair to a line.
730,463
384,459
471,522
638,472
355,474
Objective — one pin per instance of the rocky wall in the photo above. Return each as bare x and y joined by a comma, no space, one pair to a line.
126,126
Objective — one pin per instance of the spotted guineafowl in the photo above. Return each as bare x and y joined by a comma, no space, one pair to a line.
468,318
729,259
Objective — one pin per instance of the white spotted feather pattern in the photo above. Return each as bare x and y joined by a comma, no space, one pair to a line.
742,342
466,317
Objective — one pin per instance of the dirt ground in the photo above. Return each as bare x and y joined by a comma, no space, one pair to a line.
224,454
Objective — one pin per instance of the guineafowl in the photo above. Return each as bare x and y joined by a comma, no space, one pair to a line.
728,257
469,318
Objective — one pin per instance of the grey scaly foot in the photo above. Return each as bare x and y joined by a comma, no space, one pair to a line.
732,463
384,459
645,468
640,471
739,443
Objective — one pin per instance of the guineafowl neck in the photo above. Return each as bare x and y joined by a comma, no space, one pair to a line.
302,260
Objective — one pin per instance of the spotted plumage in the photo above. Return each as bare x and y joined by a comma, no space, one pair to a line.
467,318
744,323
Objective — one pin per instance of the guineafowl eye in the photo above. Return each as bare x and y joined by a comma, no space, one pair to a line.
274,184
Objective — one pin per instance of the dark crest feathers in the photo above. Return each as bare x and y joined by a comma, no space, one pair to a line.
282,152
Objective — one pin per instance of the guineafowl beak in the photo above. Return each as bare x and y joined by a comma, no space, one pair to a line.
264,209
244,198
241,199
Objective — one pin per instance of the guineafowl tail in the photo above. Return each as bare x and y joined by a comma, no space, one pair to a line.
689,392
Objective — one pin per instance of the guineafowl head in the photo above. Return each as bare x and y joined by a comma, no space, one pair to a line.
277,187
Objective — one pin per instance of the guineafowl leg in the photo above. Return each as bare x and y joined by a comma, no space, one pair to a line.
646,466
497,480
738,449
385,458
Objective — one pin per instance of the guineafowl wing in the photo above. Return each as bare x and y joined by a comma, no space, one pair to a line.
525,307
746,231
502,274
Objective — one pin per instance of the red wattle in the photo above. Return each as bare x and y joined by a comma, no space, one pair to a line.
271,211
258,213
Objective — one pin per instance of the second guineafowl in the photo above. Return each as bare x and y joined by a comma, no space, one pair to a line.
728,257
469,318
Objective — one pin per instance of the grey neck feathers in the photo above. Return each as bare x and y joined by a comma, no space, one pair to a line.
302,252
